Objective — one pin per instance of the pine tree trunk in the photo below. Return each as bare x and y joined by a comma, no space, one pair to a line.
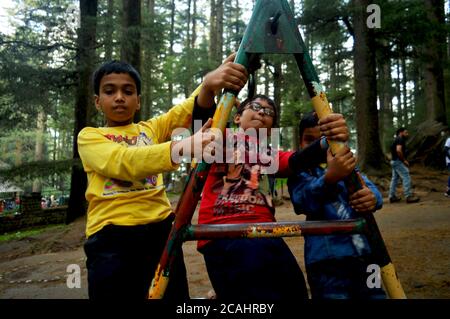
399,96
370,155
188,24
213,33
238,33
171,44
188,85
277,84
448,34
219,22
39,147
109,31
19,150
404,92
333,77
267,77
131,37
292,5
148,63
84,64
433,63
385,94
194,24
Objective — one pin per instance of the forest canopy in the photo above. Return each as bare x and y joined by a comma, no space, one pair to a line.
380,74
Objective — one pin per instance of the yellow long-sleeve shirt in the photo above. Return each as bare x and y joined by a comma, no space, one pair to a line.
124,166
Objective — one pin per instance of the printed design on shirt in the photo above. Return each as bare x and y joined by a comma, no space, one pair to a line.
243,187
114,186
447,152
343,213
359,244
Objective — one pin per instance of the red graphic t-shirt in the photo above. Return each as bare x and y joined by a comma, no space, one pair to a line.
239,193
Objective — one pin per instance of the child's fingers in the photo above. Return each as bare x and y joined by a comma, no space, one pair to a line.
344,152
207,124
232,82
363,207
230,58
335,133
362,197
230,77
242,70
361,202
236,73
212,148
343,138
333,117
332,120
338,138
358,194
329,155
215,134
350,163
236,70
367,201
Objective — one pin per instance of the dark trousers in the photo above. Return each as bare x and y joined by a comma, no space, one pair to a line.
122,260
344,278
260,269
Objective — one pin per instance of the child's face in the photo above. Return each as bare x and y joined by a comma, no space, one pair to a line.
118,99
310,134
255,119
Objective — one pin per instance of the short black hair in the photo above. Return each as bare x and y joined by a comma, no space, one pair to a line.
269,101
401,129
115,66
308,120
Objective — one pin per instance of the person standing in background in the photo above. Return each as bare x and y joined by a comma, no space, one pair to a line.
400,168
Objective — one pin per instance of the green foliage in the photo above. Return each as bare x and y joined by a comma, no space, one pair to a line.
38,169
30,232
37,76
38,63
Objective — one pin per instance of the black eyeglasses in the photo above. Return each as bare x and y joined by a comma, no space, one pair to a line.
255,106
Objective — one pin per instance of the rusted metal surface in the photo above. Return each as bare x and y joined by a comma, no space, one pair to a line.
272,29
190,197
277,229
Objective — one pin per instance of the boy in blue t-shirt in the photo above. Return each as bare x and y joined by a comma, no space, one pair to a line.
336,265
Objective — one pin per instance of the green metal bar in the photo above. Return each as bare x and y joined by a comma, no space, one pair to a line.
186,206
272,29
191,194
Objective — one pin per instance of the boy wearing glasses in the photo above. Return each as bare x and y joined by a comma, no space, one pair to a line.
238,192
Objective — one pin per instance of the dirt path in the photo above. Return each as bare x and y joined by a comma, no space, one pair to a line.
417,236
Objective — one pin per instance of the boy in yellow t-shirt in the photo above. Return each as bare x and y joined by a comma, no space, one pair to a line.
129,215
